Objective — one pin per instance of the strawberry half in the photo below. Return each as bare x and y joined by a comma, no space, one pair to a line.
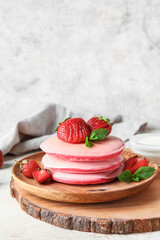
42,175
133,163
73,130
100,122
1,158
28,166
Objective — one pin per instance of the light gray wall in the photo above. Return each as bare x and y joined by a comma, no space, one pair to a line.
89,55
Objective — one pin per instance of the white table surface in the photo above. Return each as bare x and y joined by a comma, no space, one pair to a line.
16,224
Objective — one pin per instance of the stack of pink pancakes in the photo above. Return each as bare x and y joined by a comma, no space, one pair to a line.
78,164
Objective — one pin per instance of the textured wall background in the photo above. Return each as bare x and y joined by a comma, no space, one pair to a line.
89,55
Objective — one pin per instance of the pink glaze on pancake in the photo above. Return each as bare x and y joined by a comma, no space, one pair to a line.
87,178
56,164
102,150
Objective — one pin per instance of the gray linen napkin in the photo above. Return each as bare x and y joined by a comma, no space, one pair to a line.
27,134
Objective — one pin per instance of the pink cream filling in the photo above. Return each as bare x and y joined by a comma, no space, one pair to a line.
54,163
87,178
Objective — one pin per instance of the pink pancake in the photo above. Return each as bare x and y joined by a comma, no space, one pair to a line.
87,178
102,150
56,164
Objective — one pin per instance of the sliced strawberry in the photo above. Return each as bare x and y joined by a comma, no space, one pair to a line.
42,175
1,158
28,166
133,163
74,130
100,122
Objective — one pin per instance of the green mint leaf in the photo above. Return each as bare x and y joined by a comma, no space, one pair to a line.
135,178
98,134
88,143
143,173
126,176
61,122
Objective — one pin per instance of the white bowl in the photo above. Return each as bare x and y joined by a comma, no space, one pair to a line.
148,145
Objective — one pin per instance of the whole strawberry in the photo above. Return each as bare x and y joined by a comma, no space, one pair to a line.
133,163
42,175
1,158
100,122
28,166
73,130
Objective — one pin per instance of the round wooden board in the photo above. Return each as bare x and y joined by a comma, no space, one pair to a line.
136,214
80,194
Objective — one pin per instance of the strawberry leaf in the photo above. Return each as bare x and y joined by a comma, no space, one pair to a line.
88,143
60,123
143,173
107,120
25,161
126,176
98,134
100,118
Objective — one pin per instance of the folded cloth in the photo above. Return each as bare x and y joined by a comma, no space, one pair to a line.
27,134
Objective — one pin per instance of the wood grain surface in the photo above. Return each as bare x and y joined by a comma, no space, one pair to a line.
76,193
135,214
